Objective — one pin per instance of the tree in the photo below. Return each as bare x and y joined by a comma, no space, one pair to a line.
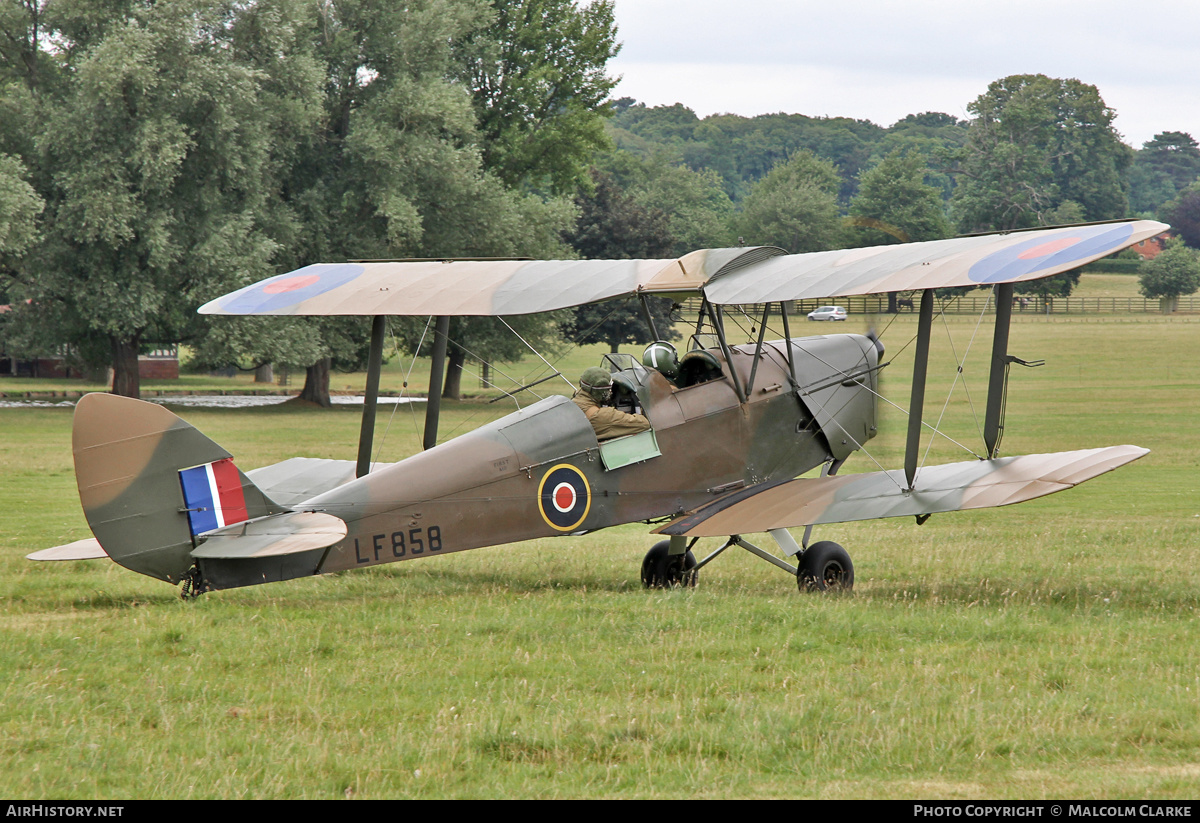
395,168
1174,154
1034,143
1183,213
894,205
537,77
613,225
794,206
150,147
699,213
184,148
936,136
538,81
1166,165
1060,285
1173,273
1148,189
19,208
492,340
742,150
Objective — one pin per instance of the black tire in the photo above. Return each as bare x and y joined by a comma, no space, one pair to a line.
825,566
662,571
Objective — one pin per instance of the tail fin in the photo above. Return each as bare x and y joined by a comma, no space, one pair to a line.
149,482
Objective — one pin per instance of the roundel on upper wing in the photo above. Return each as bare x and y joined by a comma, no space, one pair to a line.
279,293
1041,253
564,497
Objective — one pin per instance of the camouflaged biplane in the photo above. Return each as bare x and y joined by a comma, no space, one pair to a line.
732,428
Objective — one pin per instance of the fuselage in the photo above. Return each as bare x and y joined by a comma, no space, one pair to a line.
540,472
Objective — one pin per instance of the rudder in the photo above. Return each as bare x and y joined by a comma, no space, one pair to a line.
133,462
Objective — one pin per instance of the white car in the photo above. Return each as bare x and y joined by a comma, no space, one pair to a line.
828,313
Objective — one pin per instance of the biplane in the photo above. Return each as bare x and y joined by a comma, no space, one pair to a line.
732,427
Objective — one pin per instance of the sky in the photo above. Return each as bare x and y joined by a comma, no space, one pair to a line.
879,61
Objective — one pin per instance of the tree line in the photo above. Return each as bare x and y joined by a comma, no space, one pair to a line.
154,155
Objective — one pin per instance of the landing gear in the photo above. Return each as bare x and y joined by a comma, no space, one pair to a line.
825,566
661,570
193,584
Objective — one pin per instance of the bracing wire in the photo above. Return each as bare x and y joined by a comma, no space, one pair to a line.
539,354
512,378
958,372
933,428
403,388
581,337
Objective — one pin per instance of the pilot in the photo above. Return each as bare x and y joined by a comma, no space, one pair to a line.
595,388
662,357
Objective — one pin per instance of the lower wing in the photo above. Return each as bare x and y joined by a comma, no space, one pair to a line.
974,484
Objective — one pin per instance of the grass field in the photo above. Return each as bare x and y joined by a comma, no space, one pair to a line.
1042,651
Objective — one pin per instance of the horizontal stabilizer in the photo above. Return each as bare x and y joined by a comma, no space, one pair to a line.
293,481
975,484
271,536
87,549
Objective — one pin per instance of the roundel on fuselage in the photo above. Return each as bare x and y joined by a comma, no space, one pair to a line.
564,497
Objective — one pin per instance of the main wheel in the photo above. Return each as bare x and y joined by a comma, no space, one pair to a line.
661,570
823,566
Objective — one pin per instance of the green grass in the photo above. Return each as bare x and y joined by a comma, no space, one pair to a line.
1044,650
1107,284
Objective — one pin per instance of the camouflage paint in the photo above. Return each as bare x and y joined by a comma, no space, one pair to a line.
740,276
973,484
127,460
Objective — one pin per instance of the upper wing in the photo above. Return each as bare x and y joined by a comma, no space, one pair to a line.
727,276
454,288
975,484
961,261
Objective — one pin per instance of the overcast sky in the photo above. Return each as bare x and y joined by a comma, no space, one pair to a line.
879,61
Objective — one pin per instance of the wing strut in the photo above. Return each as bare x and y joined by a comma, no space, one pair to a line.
787,335
993,426
649,316
433,407
366,434
917,403
719,325
762,332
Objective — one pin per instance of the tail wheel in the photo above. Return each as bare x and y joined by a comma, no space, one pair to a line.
662,570
193,584
825,566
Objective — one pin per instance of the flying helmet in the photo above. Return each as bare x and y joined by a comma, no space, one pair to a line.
597,383
662,357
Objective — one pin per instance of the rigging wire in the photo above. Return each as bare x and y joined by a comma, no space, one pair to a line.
862,447
501,373
843,372
535,351
580,337
958,372
403,387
